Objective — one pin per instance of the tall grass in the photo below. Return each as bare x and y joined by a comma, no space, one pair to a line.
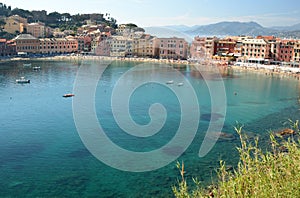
274,173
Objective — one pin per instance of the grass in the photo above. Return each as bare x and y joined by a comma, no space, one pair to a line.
273,173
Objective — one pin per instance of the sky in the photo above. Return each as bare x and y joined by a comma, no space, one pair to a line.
147,13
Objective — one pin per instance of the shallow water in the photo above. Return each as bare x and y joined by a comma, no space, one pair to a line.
42,155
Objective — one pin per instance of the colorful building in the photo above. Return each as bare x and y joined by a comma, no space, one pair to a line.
26,43
197,49
255,50
144,46
170,48
121,46
37,30
224,46
286,50
58,45
7,48
296,52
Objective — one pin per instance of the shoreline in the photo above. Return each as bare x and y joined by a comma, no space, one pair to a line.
267,70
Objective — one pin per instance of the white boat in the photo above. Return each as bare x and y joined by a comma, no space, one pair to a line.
27,64
22,80
36,68
180,84
170,82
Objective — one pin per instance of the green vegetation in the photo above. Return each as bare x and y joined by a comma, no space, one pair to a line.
274,173
58,20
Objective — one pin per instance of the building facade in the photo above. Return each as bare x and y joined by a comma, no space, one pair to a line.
58,45
121,46
37,30
26,43
144,46
286,50
296,52
170,48
197,49
224,46
255,50
7,48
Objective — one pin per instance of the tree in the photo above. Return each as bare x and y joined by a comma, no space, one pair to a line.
21,13
2,24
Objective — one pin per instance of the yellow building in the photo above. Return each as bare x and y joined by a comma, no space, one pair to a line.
144,46
296,54
15,24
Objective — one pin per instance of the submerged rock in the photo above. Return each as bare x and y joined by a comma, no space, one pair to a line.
285,132
221,136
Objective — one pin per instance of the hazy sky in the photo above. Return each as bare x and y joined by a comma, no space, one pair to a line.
175,12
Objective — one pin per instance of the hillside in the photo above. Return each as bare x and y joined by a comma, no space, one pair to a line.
234,28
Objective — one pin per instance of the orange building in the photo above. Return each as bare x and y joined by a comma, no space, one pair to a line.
27,43
58,45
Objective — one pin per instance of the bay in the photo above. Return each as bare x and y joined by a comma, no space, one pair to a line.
42,154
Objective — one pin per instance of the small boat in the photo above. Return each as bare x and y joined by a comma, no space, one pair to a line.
27,64
22,80
170,82
36,68
180,84
68,95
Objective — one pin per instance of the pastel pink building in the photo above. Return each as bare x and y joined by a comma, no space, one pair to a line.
202,47
170,48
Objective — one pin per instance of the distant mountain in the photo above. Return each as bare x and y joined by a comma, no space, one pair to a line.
230,28
181,28
224,29
295,27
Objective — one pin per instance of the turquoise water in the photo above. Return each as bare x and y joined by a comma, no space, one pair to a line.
42,155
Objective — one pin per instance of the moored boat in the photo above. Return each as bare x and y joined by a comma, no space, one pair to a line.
36,68
170,82
27,64
22,80
68,95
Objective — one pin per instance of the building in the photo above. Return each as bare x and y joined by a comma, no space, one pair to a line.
121,46
15,24
26,43
286,50
296,52
121,29
144,46
255,50
103,48
7,48
274,47
224,46
197,49
58,45
37,30
170,48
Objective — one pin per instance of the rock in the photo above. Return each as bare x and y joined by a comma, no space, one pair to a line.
285,132
221,136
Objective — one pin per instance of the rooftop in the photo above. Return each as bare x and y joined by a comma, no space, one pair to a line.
25,37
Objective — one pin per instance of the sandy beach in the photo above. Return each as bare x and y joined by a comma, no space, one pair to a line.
268,70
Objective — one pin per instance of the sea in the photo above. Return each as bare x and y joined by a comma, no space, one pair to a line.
50,147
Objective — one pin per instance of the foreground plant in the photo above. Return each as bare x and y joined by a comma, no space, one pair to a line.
275,173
